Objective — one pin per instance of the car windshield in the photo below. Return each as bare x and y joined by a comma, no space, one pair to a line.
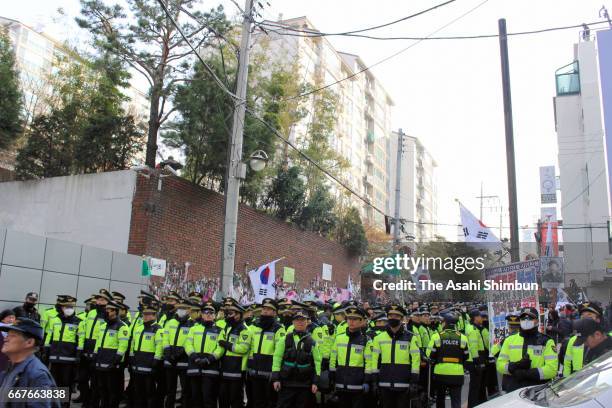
581,386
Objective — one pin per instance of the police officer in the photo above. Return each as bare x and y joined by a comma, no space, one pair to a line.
339,319
527,357
574,349
62,343
596,341
396,360
514,325
236,343
176,330
285,313
168,308
111,346
479,353
266,333
146,355
296,365
87,342
204,354
449,353
45,318
350,363
25,370
379,323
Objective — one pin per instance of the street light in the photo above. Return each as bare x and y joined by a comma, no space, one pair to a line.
237,172
258,160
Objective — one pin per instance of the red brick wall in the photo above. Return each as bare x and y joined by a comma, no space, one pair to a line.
184,223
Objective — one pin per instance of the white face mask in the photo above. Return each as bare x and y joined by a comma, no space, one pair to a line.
181,313
527,324
69,311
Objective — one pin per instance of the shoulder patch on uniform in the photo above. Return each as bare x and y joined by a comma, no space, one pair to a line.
320,334
245,336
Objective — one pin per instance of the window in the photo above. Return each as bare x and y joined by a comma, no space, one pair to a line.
568,79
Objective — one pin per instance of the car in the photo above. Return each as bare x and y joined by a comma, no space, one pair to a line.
590,387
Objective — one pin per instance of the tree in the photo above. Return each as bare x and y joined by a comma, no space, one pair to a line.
86,128
152,46
110,138
316,141
11,102
202,125
318,214
287,194
49,150
351,233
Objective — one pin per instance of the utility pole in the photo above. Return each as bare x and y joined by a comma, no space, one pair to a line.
398,176
236,170
510,164
398,184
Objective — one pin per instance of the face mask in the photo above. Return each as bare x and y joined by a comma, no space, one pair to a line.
394,322
69,311
266,320
527,324
181,313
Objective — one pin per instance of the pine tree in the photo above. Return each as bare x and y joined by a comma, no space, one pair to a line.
11,100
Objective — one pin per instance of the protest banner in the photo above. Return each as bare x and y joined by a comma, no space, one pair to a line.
504,303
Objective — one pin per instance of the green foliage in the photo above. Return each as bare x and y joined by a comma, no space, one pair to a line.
318,214
315,143
287,194
146,38
11,100
87,129
351,233
49,151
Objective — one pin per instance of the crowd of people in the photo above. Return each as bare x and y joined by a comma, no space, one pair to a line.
282,353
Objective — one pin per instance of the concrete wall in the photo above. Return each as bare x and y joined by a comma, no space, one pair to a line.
90,209
32,263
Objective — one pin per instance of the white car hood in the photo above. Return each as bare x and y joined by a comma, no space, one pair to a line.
510,400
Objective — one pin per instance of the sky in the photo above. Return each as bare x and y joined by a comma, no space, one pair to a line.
446,93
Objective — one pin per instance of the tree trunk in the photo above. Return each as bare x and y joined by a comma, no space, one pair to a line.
153,126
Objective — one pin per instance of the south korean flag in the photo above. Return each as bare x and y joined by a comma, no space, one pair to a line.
473,229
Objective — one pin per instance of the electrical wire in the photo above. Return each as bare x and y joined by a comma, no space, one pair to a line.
388,57
314,33
585,189
206,66
304,155
353,32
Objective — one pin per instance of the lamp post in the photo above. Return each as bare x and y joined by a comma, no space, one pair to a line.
257,162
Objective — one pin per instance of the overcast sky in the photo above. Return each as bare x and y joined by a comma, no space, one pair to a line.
447,93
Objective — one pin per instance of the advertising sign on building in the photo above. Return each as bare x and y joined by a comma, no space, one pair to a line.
548,185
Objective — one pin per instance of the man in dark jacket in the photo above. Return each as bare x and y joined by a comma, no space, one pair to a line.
28,309
25,369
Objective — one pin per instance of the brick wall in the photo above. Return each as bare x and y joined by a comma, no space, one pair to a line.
184,223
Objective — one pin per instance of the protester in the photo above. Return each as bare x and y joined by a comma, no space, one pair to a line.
22,341
7,318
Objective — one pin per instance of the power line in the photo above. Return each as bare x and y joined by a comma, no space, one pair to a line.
386,58
314,33
304,155
585,189
208,68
